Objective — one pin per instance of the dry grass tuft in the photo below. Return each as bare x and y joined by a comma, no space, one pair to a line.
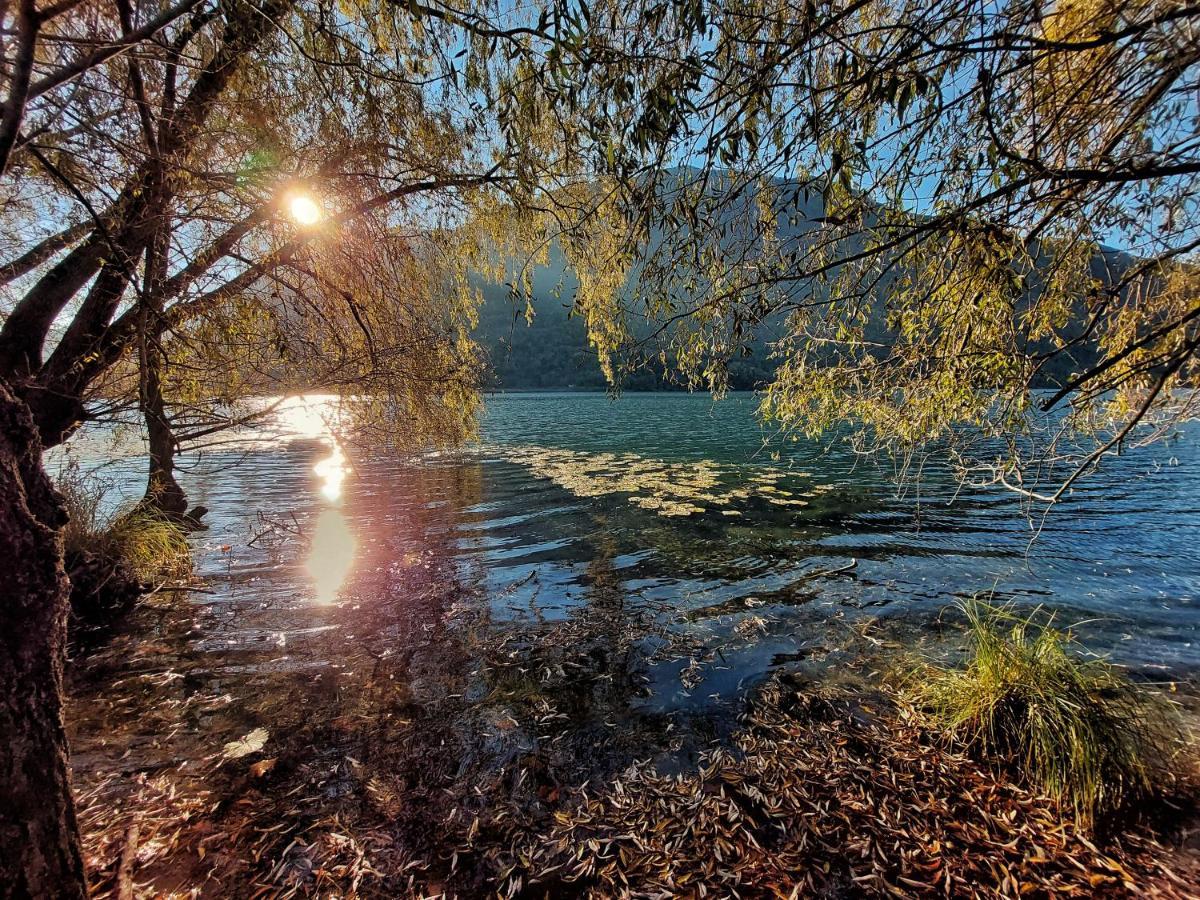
153,547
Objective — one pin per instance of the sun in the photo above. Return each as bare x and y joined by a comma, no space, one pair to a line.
304,209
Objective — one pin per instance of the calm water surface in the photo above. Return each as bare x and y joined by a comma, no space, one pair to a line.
643,561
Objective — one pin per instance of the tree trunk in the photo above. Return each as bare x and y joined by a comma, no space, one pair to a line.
39,838
162,490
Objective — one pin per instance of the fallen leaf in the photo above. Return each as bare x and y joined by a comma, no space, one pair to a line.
251,743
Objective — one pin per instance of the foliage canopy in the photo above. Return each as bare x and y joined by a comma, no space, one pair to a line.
915,200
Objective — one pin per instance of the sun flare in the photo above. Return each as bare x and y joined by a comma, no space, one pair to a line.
304,209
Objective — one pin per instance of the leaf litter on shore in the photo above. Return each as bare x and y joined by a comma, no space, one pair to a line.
821,792
819,795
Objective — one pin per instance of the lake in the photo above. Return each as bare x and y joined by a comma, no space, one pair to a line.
594,582
571,495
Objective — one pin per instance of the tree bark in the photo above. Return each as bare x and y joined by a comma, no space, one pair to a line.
29,23
39,837
162,490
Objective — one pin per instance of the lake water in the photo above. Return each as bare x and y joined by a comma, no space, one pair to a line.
670,506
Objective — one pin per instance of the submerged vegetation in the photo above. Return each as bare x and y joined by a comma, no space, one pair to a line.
819,791
1075,728
667,489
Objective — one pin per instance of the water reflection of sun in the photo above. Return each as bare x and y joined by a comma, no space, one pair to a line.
312,416
331,554
332,547
332,471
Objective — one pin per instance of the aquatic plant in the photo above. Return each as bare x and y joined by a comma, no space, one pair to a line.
1072,726
668,489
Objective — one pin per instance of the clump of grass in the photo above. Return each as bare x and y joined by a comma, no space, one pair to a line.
1074,727
149,544
83,497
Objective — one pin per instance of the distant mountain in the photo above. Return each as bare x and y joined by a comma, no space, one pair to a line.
550,353
553,352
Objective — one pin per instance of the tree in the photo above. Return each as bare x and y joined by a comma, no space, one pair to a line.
38,823
373,315
918,191
921,194
150,159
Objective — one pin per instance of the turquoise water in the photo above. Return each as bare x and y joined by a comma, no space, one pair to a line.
1120,552
1119,555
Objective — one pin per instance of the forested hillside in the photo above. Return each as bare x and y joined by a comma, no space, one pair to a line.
552,352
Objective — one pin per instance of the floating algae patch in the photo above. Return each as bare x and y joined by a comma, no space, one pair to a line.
667,489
